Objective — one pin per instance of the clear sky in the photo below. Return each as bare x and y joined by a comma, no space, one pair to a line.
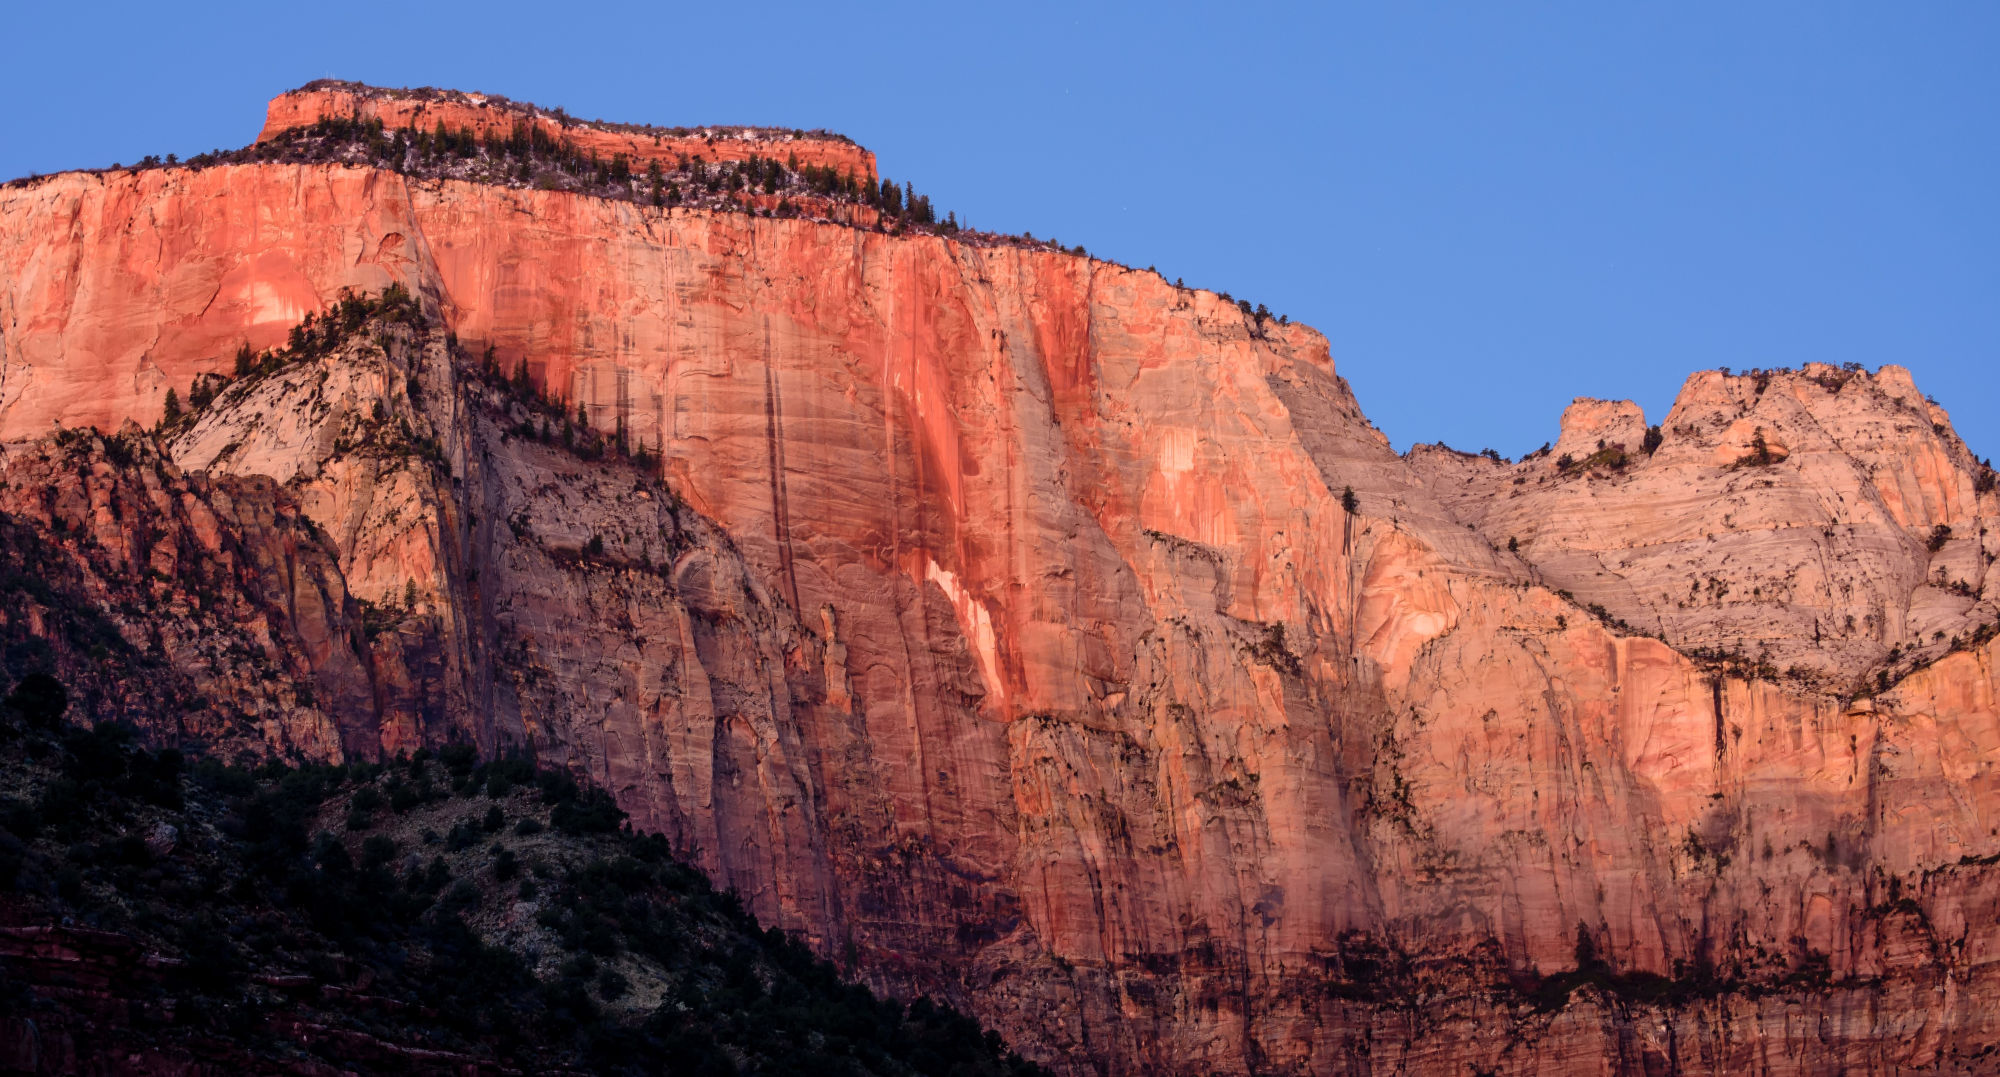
1489,208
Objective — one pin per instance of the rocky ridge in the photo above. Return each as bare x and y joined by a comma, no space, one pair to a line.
1028,629
1856,545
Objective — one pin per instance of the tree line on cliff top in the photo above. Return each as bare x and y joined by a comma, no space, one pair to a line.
528,155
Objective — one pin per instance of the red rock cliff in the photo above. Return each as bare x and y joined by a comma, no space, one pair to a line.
1037,660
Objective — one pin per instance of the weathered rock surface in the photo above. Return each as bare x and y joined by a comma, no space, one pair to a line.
1860,539
1000,626
207,603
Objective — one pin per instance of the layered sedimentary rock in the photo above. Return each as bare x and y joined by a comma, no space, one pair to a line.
496,117
1024,628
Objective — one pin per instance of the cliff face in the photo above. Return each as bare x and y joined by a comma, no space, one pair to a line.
1000,626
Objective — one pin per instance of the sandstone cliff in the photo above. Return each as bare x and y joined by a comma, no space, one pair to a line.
1024,628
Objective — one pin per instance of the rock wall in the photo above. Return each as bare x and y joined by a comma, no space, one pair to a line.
1039,633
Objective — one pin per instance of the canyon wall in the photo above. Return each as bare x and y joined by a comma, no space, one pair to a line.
1022,628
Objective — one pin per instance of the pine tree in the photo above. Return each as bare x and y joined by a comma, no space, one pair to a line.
173,408
1586,950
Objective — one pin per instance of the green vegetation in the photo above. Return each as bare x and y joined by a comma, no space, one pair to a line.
254,898
1606,457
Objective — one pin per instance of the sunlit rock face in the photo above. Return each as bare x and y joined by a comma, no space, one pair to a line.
1024,629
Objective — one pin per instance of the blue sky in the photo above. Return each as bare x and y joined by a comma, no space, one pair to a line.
1488,208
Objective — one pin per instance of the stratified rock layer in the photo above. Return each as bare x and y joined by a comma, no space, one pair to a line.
1039,633
497,118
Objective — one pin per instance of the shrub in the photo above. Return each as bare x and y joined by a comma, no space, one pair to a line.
1760,454
458,757
464,835
377,850
462,895
591,812
39,701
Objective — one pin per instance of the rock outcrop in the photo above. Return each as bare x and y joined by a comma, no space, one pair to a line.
1824,525
488,116
1026,629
